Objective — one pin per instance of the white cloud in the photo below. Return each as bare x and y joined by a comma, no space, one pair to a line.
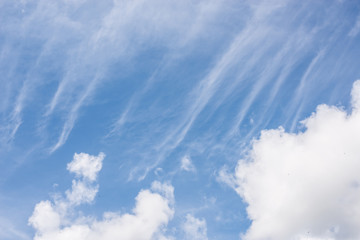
45,218
85,165
9,231
355,96
356,28
125,30
55,220
224,176
194,228
305,185
81,192
187,165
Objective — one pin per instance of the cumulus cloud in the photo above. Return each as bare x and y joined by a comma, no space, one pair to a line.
194,228
58,219
187,165
85,165
305,185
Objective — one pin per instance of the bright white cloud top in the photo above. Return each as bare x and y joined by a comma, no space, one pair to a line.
59,220
175,93
195,229
86,166
305,185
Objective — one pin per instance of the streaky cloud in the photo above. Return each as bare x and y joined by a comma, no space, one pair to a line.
356,28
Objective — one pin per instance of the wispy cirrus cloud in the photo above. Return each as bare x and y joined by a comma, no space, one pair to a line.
152,82
117,32
300,91
115,35
258,63
7,230
356,28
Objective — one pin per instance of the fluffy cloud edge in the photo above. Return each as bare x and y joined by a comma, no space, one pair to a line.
304,185
195,228
187,165
59,220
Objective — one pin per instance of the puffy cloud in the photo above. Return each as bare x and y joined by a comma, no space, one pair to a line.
305,185
45,218
194,228
81,192
187,165
55,220
85,165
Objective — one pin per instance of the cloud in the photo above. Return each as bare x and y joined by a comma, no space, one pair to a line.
305,185
79,50
187,165
8,230
14,120
194,228
296,104
355,96
356,28
123,32
58,219
224,176
244,44
86,166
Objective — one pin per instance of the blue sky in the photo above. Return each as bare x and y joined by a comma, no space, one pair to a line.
180,96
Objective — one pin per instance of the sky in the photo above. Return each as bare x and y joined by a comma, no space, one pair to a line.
165,120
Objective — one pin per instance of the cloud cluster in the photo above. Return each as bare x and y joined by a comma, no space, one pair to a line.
86,166
194,228
305,185
57,219
187,165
